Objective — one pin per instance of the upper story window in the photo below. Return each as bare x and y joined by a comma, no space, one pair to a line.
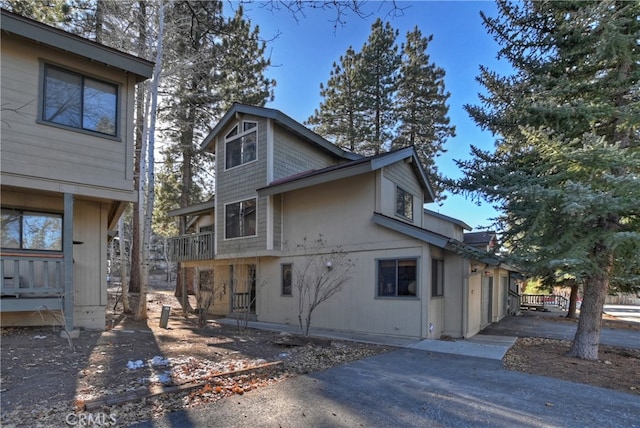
25,230
240,144
240,219
77,101
404,203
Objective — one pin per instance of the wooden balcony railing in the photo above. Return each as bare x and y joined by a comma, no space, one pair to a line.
31,281
196,246
543,301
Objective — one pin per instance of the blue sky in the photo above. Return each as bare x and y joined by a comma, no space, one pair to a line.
303,52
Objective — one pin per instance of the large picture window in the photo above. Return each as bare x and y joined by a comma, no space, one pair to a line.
397,278
240,219
73,100
437,277
24,230
240,145
404,203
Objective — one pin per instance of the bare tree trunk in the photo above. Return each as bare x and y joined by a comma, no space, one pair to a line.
573,300
186,140
587,338
124,279
141,266
134,283
99,20
147,169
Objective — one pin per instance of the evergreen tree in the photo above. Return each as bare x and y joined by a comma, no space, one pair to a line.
378,99
243,66
377,75
566,169
338,118
53,12
213,63
421,105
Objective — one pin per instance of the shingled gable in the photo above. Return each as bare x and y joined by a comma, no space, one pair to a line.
61,40
351,169
282,119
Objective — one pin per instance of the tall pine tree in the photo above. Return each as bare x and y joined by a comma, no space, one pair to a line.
421,105
214,62
338,117
378,99
378,74
566,169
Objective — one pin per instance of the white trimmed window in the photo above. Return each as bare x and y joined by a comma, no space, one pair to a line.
240,219
404,203
73,100
240,144
397,277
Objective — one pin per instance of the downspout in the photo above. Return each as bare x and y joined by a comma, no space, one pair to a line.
465,296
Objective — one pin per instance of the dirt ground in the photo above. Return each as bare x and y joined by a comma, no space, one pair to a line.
136,371
616,368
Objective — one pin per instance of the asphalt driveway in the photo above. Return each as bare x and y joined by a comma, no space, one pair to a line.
417,388
541,324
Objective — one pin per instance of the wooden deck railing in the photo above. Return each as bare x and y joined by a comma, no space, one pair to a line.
542,301
30,282
196,246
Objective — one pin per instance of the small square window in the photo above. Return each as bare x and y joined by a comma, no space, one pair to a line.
286,279
397,278
404,203
240,219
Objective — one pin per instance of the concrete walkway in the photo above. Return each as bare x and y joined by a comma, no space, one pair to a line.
482,346
494,341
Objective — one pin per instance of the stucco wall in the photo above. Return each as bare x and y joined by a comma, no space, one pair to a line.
341,212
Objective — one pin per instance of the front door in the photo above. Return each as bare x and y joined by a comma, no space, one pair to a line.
487,291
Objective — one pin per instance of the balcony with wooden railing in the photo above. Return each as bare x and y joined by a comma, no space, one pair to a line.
195,246
31,282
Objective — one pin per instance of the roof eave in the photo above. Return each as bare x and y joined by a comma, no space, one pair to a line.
195,209
419,233
282,119
67,42
316,179
453,220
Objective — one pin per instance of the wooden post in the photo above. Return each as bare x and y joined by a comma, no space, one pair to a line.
67,249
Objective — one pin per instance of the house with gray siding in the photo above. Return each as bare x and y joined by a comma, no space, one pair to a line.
278,185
